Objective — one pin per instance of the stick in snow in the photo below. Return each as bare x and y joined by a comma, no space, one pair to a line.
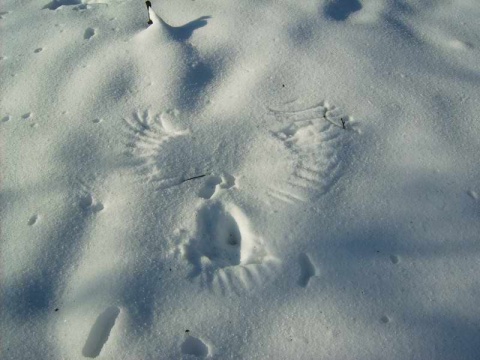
193,178
149,5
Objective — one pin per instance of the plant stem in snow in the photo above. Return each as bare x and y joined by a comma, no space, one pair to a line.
149,5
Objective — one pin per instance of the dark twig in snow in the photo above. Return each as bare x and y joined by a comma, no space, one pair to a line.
334,123
195,177
149,5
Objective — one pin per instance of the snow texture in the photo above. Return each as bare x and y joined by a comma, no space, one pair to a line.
240,179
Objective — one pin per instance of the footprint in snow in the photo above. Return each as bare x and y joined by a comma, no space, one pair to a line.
100,332
307,270
33,220
224,252
89,204
384,319
195,347
214,184
89,33
77,4
394,259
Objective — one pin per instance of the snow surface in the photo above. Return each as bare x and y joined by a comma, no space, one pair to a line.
242,179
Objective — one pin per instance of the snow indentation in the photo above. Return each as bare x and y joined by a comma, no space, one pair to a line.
89,33
83,4
100,332
157,147
307,269
33,220
224,252
214,183
89,204
394,259
194,346
314,137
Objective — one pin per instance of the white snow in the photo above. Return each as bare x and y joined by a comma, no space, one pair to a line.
241,179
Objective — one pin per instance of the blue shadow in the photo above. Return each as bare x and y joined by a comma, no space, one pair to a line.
340,10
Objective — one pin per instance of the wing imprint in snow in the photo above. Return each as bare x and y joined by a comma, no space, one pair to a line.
315,137
156,147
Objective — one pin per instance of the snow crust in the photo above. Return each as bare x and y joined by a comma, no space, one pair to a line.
241,179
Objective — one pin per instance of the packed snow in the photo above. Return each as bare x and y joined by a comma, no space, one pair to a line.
240,179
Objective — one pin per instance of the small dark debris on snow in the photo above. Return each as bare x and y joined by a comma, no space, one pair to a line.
194,178
149,5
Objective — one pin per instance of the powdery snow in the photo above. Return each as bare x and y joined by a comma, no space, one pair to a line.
240,179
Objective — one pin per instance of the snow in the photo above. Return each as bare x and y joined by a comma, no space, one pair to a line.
240,179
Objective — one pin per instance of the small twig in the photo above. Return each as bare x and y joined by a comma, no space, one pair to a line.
193,178
149,5
334,123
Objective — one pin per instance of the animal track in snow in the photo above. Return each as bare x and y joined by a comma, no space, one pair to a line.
89,204
33,220
55,4
27,116
210,187
158,146
315,137
89,33
307,270
3,14
6,118
385,319
194,346
394,259
37,50
213,183
169,157
224,252
307,154
100,332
